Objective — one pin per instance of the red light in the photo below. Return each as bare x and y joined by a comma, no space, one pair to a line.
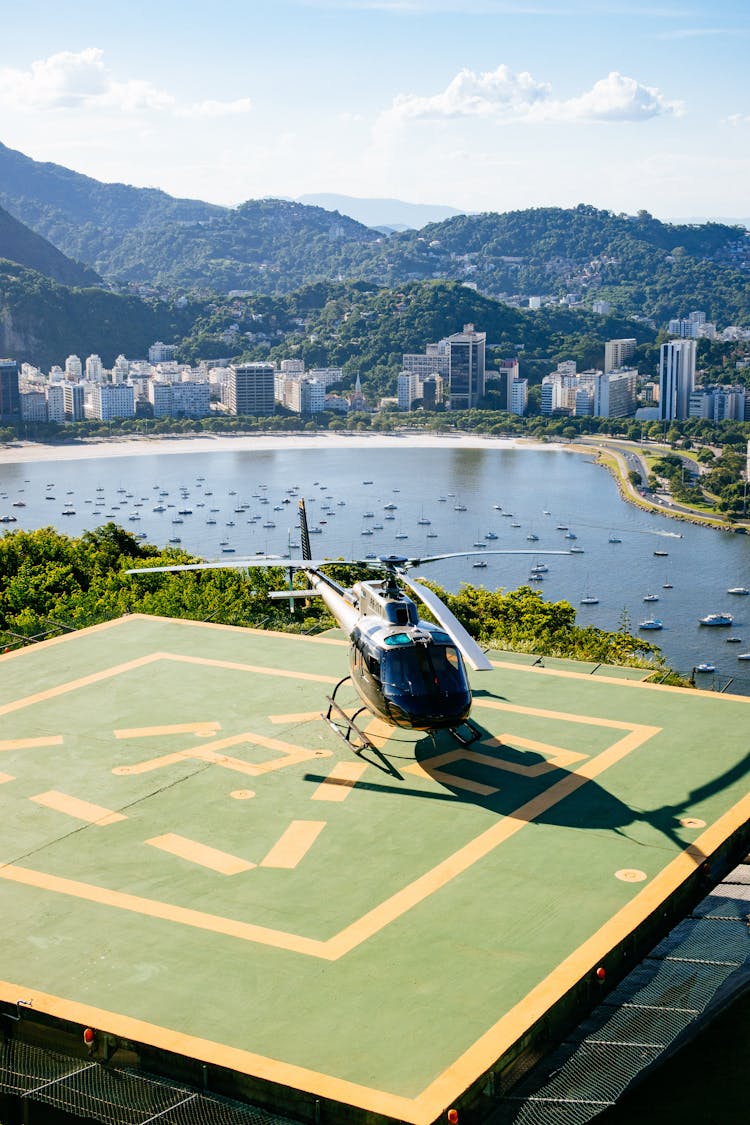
453,1116
89,1035
601,973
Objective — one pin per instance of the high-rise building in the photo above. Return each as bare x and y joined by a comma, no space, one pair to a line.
10,405
618,352
161,353
73,369
113,400
466,368
676,379
55,403
94,369
518,396
73,398
250,389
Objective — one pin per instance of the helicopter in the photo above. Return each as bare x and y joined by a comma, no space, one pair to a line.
408,672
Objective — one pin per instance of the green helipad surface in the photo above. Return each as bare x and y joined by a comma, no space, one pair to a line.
192,859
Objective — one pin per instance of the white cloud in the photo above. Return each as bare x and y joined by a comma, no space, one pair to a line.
506,97
76,80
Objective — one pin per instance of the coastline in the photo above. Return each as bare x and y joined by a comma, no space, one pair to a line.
27,452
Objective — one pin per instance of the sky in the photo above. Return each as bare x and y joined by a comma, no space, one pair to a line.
483,105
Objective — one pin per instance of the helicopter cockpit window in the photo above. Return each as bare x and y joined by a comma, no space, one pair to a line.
423,670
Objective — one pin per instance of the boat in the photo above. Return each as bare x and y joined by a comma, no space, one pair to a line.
744,656
651,598
715,620
614,539
432,535
589,599
515,525
423,521
68,512
536,576
661,554
705,667
570,535
576,551
402,535
8,519
227,550
491,535
459,508
741,590
175,539
734,640
479,564
539,568
532,538
19,504
667,586
651,623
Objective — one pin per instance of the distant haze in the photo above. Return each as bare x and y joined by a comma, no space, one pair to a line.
393,213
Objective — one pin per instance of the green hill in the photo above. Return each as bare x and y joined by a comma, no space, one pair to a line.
41,322
24,246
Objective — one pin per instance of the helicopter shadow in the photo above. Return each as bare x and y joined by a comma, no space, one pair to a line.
524,785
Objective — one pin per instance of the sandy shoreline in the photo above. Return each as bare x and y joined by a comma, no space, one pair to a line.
26,452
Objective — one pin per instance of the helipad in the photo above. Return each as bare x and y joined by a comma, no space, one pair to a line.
196,867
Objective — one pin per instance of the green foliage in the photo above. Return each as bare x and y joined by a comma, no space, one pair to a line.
50,583
41,322
521,620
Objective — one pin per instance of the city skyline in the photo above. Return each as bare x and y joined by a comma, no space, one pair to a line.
483,105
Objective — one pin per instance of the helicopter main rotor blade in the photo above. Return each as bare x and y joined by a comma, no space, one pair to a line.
465,643
384,562
409,563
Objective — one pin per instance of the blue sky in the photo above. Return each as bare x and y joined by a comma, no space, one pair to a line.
481,104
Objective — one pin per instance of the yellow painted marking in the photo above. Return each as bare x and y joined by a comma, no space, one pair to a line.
509,1029
242,794
433,880
6,777
427,1106
559,758
429,768
201,854
153,908
294,844
84,681
30,743
384,913
340,781
631,875
75,807
378,732
171,728
257,669
289,755
297,717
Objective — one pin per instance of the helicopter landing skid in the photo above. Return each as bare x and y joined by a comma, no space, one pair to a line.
475,733
344,725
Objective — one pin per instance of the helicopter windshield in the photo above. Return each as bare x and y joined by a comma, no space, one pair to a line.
421,670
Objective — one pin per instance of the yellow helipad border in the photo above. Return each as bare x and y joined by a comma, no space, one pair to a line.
448,1087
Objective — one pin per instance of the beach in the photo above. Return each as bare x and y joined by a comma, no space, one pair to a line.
25,452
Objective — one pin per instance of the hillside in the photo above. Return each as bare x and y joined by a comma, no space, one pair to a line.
26,248
41,322
82,216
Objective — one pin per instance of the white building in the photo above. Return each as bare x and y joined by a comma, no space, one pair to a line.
94,369
308,396
112,400
121,370
518,398
73,369
159,353
55,396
